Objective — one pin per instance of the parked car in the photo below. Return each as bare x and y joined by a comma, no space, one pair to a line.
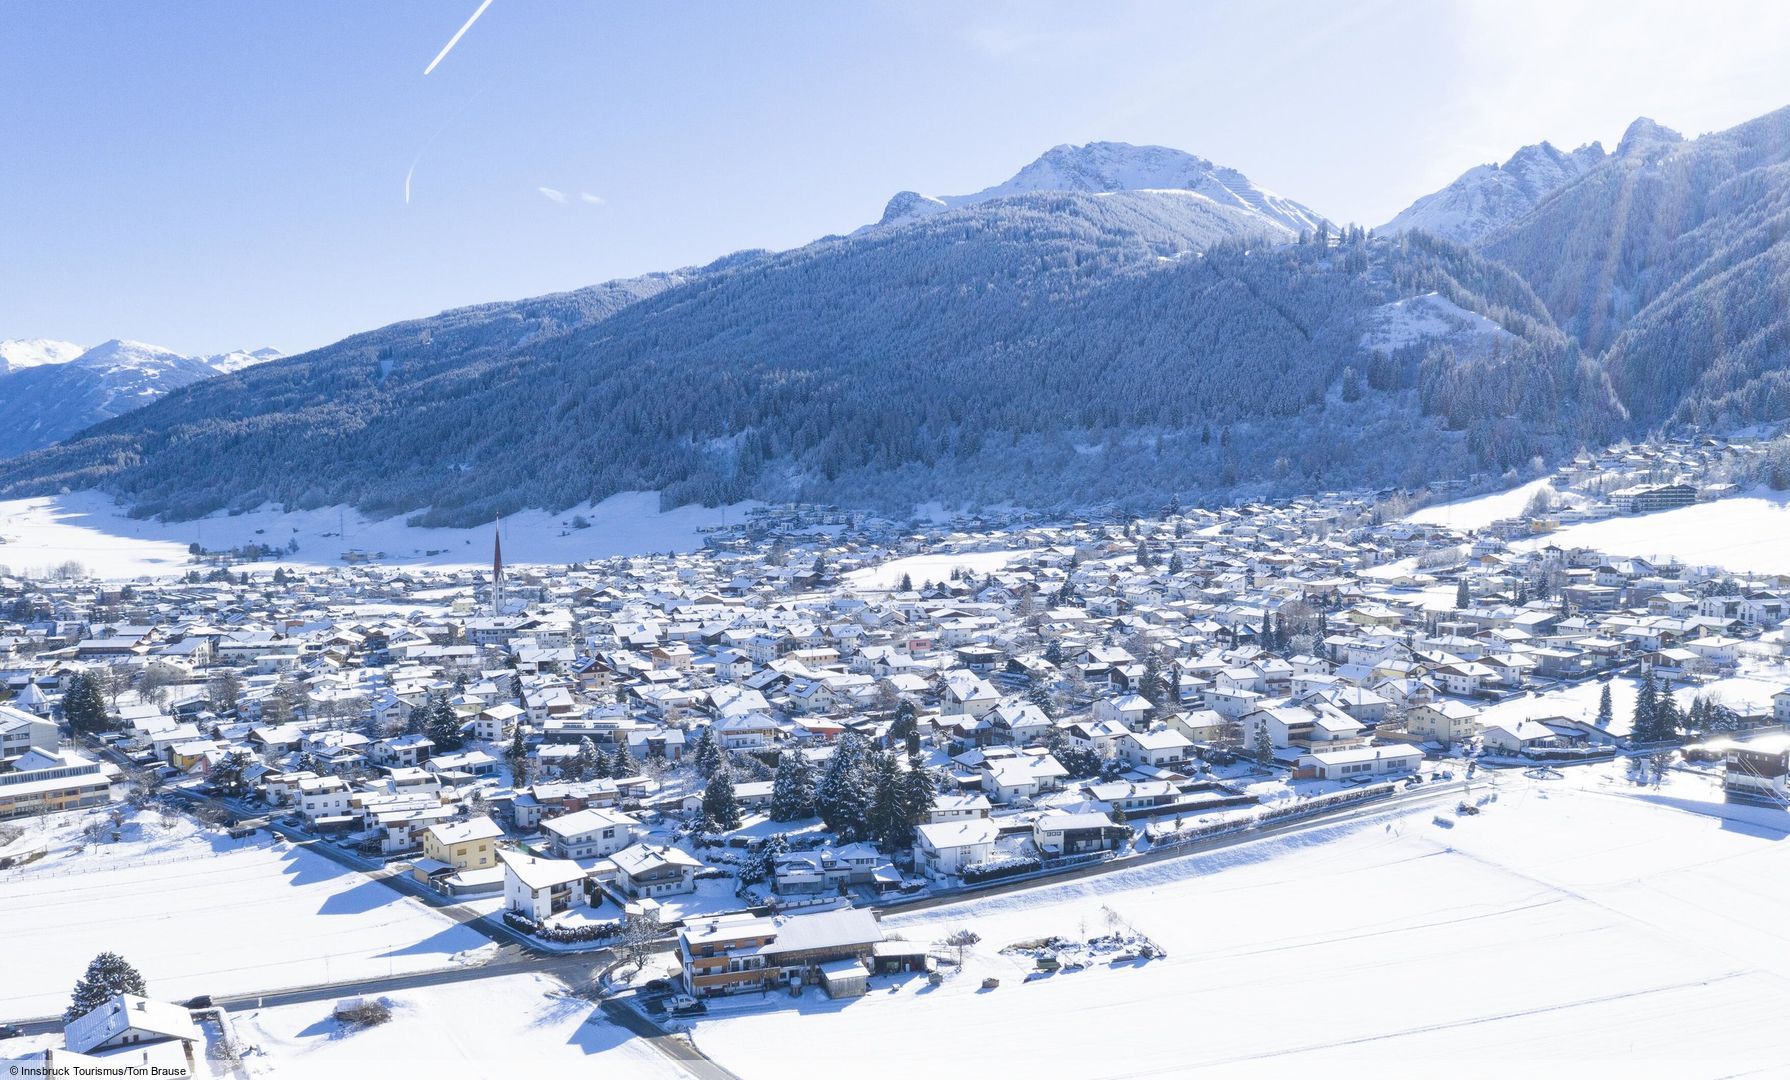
203,1001
10,1031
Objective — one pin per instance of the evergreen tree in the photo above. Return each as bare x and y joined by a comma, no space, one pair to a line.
1605,712
589,764
907,583
84,704
443,724
1264,746
917,790
227,776
1646,722
622,763
888,824
792,789
516,755
719,804
1668,718
708,755
1463,598
906,722
842,798
106,975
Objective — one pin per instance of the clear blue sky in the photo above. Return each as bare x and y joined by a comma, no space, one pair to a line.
208,175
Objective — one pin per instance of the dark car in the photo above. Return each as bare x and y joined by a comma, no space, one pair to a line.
10,1031
203,1001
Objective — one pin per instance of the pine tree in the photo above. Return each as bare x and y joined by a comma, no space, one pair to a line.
708,755
443,724
792,789
907,583
842,798
516,755
84,704
622,764
227,776
719,804
1605,711
1646,722
762,862
887,823
1463,598
1667,716
917,791
106,975
1264,746
906,722
589,764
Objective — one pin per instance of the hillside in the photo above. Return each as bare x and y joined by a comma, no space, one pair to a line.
52,390
1486,198
1673,260
1053,348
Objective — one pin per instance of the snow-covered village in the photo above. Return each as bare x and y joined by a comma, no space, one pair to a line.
827,779
722,541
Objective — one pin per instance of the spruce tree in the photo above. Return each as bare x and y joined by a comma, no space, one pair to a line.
792,789
106,975
719,804
516,755
1646,722
1462,597
589,764
1605,712
1264,746
917,791
888,824
842,798
84,703
442,725
227,776
708,755
1667,717
907,583
906,722
622,764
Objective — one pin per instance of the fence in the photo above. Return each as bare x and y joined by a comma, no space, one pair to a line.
1294,812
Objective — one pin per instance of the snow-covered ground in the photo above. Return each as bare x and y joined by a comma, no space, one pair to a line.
199,913
88,528
924,568
1480,511
521,1025
1745,534
1580,926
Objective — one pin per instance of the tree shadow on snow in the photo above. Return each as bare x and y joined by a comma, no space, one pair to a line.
357,901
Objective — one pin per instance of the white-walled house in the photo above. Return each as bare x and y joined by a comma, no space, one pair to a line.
589,833
946,848
538,887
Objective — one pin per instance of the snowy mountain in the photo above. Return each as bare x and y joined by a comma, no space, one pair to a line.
1486,198
1103,168
50,390
35,352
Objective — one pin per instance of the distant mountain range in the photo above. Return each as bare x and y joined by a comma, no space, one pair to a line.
50,390
1113,324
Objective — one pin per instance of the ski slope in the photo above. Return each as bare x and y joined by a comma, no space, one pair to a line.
1581,927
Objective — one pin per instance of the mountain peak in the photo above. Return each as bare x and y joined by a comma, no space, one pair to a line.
36,352
1486,198
1103,168
1644,134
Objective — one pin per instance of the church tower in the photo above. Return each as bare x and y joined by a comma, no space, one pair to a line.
497,568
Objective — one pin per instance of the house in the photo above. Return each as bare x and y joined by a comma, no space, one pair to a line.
1446,722
947,848
323,800
1024,775
1514,737
1366,761
1158,749
1758,771
728,954
1058,833
128,1022
539,888
646,870
953,807
463,845
589,833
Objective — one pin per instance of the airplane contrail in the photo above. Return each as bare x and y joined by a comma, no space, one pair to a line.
455,40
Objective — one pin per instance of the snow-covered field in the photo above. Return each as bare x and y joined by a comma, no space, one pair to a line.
521,1025
199,913
87,527
924,568
1480,511
1580,927
1743,534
